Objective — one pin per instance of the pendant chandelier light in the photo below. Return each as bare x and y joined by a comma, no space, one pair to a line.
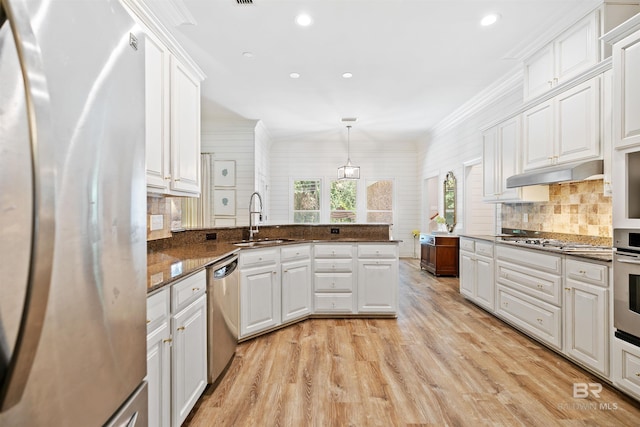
349,171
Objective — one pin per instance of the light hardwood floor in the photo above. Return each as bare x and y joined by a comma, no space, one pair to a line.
444,361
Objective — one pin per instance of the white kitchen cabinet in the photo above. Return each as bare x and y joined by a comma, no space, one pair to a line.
377,278
625,367
575,50
626,86
477,272
571,53
296,284
500,160
563,129
333,278
159,359
172,121
586,313
189,358
260,305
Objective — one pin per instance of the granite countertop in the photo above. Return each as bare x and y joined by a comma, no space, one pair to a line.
165,266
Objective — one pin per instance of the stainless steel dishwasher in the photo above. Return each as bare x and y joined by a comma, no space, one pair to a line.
223,315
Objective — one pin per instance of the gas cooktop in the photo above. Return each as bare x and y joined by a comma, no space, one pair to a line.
558,245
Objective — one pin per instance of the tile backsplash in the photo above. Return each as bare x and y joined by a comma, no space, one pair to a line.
171,210
573,208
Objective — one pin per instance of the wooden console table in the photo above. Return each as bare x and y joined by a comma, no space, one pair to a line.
439,254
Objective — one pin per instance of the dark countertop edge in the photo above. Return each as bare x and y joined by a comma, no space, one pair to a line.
207,261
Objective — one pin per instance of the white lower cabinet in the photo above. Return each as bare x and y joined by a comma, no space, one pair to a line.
159,359
176,350
476,272
333,278
377,286
586,314
296,289
259,299
189,361
625,367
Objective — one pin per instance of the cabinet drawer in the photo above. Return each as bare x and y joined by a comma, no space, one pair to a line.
538,284
334,265
157,309
334,251
484,248
377,251
537,260
288,253
338,282
188,290
630,372
587,272
334,303
539,319
258,257
467,245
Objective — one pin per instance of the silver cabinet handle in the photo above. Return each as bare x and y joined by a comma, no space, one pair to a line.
43,198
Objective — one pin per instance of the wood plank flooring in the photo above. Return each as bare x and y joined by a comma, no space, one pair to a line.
444,361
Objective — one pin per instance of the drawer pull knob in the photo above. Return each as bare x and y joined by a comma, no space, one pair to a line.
567,289
274,272
148,320
195,289
539,286
167,340
182,328
637,374
539,321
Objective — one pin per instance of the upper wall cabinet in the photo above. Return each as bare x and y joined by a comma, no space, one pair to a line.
172,98
575,50
626,84
563,129
501,159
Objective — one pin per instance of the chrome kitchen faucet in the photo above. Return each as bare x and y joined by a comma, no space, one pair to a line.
251,213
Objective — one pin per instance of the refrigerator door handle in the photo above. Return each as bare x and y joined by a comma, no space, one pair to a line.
14,376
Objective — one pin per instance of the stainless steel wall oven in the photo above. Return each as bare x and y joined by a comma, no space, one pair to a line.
626,285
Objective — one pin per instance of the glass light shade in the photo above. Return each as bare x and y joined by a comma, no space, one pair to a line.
349,171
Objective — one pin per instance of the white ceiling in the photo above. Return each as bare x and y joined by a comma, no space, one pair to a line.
413,61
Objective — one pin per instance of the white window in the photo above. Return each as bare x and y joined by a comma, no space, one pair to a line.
342,200
380,201
306,201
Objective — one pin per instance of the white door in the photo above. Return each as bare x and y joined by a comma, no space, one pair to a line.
485,285
490,164
509,152
626,92
538,135
577,48
467,274
159,376
377,285
538,72
260,307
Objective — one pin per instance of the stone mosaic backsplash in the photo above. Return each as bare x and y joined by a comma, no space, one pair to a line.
573,208
170,209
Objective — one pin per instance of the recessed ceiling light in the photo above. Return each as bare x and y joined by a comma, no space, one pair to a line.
294,75
303,20
489,19
347,75
247,54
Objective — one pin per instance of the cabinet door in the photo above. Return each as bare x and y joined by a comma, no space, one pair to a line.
159,376
490,165
157,138
538,136
586,324
539,72
467,274
578,123
577,48
377,286
296,289
189,362
509,159
185,129
485,285
626,92
259,299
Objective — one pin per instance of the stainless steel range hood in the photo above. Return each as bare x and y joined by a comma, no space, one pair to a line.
563,173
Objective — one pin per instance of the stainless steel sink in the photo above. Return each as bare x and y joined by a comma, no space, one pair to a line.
262,242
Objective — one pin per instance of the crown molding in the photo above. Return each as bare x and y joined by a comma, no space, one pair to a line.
507,85
623,30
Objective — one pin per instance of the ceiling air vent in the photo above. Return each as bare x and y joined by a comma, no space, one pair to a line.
244,1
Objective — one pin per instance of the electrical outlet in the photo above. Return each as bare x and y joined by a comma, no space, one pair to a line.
156,222
335,231
525,217
212,236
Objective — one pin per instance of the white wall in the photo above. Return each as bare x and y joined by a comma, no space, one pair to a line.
321,159
457,139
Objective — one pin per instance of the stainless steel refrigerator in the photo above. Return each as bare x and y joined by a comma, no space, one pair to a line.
72,215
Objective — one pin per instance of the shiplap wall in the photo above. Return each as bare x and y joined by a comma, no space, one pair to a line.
321,159
457,139
236,142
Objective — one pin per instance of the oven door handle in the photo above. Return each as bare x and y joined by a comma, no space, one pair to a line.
628,261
